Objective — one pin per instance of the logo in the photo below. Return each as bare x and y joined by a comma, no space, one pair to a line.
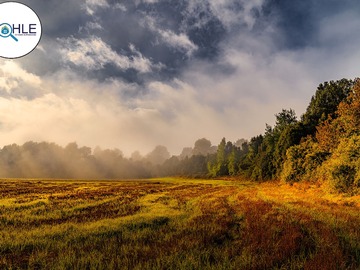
20,30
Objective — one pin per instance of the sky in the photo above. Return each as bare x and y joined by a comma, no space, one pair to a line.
134,74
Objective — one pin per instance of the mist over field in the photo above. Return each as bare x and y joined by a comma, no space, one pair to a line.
136,74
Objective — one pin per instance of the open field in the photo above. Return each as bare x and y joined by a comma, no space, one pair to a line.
175,224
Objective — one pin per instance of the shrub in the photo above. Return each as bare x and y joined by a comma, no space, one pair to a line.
302,162
342,169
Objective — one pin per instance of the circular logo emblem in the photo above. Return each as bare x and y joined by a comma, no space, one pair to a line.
20,30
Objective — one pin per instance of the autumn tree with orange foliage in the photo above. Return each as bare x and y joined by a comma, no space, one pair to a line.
333,155
346,124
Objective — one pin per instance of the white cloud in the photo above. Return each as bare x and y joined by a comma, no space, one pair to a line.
75,112
256,89
137,2
93,54
150,1
173,114
227,11
72,112
92,5
120,6
180,41
12,75
93,26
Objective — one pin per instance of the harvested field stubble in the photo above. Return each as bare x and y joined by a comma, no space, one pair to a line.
175,224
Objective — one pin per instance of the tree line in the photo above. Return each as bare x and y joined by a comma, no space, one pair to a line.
323,145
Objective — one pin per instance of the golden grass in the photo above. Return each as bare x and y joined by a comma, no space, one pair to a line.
175,223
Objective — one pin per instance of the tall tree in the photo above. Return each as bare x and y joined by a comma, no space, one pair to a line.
218,166
158,155
325,102
234,160
202,147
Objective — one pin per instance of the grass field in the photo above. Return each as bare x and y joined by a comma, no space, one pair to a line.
176,224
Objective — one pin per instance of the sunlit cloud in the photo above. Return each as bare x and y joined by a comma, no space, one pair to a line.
94,53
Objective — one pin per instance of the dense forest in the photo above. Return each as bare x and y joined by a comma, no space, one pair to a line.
322,146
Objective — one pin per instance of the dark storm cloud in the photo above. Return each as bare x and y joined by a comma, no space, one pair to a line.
164,32
294,20
300,23
168,34
172,34
59,18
